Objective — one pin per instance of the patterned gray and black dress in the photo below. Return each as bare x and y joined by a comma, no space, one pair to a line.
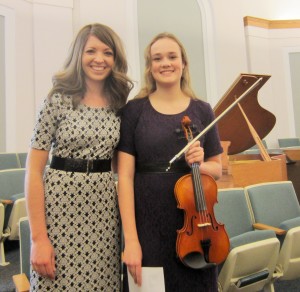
81,209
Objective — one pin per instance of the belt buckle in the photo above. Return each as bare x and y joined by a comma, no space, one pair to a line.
89,166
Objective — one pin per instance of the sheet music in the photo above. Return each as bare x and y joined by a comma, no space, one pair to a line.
152,280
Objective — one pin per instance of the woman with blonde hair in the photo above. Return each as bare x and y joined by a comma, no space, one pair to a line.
151,135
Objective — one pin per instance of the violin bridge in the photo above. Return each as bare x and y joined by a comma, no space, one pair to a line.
204,224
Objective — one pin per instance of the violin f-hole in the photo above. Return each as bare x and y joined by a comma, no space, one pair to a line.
190,232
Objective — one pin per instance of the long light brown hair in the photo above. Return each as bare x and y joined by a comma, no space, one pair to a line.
149,82
71,79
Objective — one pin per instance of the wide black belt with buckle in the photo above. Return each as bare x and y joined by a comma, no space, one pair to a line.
80,165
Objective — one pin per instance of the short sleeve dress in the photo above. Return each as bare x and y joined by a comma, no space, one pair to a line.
155,138
81,209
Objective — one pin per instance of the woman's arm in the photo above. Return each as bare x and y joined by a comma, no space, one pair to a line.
132,255
42,252
211,166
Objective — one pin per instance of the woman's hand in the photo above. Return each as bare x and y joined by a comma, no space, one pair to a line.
195,154
132,257
43,258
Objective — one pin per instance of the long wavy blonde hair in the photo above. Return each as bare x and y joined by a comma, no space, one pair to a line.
71,79
149,82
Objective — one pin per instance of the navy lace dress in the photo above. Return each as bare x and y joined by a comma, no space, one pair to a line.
153,137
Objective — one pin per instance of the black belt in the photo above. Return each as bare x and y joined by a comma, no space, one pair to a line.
80,165
161,167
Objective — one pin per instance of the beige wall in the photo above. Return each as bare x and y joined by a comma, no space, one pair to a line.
40,31
294,61
2,87
187,26
37,38
269,44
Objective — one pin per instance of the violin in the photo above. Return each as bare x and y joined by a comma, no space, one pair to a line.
202,242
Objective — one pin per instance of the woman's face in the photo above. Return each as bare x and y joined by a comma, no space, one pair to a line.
166,62
97,60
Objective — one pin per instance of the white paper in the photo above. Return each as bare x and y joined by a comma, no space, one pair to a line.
152,280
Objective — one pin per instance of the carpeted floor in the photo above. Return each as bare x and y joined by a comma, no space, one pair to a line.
12,256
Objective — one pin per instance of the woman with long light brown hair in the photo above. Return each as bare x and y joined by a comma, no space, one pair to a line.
150,136
72,205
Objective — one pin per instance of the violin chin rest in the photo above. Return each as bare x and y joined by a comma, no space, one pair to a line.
196,260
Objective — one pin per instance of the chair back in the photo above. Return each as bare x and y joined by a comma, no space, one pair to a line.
268,199
18,211
25,246
233,211
11,188
11,182
22,159
1,219
288,142
8,161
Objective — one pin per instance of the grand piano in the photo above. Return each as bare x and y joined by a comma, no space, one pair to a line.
245,125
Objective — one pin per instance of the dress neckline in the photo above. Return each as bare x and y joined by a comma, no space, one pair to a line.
94,107
170,115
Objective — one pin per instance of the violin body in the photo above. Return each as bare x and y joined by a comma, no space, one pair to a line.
202,241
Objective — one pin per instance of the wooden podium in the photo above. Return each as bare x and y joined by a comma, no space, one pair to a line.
243,127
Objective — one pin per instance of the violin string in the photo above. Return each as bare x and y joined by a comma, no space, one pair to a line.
203,200
199,193
196,186
196,195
